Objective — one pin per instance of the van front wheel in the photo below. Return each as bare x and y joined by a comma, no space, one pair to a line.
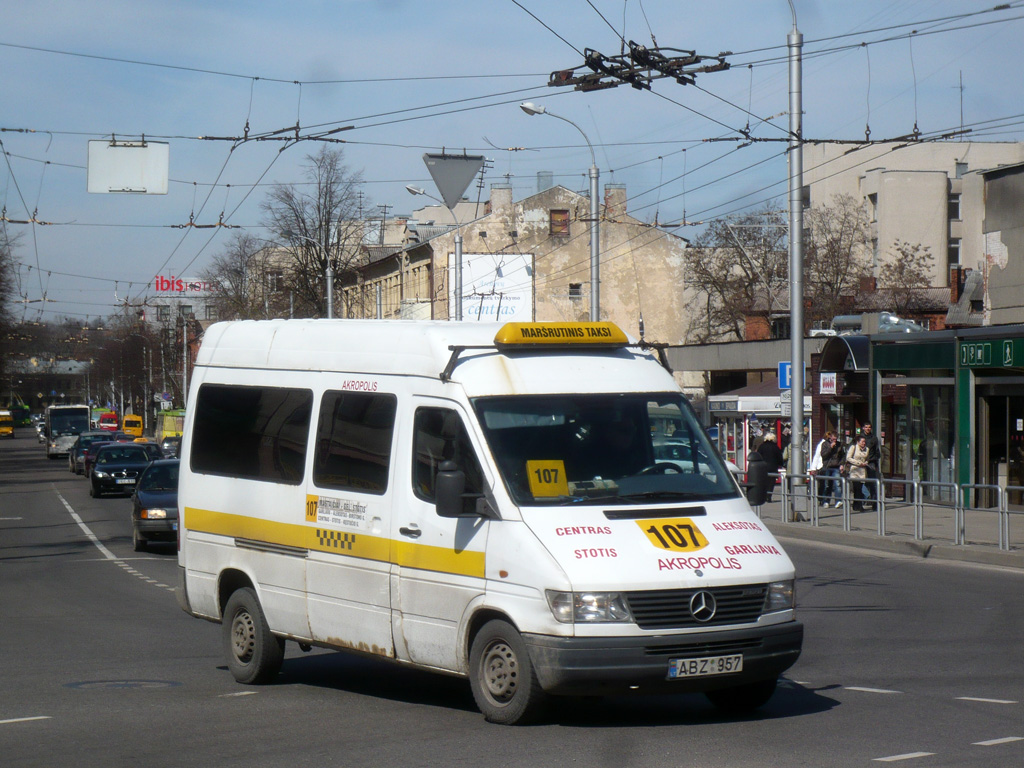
502,677
254,654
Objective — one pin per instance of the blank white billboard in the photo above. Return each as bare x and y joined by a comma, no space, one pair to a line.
132,167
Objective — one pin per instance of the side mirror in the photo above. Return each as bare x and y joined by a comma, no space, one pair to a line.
449,485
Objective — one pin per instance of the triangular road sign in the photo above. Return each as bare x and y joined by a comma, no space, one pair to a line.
452,174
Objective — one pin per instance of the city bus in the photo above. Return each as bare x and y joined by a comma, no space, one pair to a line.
63,424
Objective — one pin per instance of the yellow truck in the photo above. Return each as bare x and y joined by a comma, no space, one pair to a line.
6,424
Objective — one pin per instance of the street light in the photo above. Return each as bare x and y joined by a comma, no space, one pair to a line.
328,272
414,190
796,245
595,230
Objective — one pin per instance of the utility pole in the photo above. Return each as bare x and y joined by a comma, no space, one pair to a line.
796,247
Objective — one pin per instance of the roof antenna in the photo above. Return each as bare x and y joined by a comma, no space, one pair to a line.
641,326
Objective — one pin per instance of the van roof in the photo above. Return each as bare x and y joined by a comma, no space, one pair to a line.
423,348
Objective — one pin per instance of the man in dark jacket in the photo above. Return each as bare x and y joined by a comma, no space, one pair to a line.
772,455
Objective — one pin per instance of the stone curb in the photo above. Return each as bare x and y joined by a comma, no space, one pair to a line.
900,545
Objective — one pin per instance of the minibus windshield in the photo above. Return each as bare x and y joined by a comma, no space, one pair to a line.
636,448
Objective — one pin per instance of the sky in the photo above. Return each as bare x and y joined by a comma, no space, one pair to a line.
411,77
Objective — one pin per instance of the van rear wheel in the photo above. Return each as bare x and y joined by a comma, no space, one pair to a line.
254,654
742,699
502,676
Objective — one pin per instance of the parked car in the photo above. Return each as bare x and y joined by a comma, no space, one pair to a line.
171,445
155,504
117,468
76,456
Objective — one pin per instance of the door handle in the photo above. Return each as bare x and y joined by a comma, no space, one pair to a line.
413,532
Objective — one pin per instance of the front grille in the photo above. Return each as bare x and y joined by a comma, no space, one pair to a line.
694,650
670,608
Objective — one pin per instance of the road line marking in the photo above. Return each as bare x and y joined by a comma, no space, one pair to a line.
81,524
12,518
871,690
908,756
241,693
24,719
986,701
994,742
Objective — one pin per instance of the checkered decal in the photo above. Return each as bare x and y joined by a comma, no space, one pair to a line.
335,539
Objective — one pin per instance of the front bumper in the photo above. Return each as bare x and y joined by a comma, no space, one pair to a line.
605,665
165,530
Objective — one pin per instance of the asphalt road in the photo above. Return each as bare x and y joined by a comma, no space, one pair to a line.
906,660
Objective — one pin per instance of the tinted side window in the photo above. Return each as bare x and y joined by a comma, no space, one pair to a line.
258,433
441,436
353,441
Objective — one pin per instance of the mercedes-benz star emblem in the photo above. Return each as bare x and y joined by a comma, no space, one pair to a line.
703,606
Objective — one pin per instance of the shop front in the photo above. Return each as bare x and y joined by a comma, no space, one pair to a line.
914,397
840,390
741,417
991,375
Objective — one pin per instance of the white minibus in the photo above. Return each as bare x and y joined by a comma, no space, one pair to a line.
480,500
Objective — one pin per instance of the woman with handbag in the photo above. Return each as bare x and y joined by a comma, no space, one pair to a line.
857,461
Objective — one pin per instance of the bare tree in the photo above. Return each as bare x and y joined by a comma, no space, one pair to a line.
906,276
247,279
835,256
737,269
319,228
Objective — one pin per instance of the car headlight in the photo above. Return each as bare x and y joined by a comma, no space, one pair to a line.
153,514
588,607
99,473
781,596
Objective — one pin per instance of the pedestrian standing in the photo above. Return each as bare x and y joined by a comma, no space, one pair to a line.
857,461
772,455
833,460
874,459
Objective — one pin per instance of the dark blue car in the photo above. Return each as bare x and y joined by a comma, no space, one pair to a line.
155,504
116,468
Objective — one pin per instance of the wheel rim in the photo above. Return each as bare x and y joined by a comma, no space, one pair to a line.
243,637
500,670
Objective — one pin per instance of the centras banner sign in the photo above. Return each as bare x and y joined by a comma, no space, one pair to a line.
182,285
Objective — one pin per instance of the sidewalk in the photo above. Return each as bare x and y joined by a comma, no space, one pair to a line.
981,532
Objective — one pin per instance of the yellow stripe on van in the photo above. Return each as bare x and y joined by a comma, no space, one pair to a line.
346,543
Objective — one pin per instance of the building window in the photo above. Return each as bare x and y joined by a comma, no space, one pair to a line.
211,312
873,207
163,312
185,309
559,223
275,281
780,328
961,169
575,291
954,206
954,251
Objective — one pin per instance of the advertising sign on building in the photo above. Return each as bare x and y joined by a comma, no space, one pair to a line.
828,383
496,287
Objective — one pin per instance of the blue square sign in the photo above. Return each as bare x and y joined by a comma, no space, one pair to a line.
785,374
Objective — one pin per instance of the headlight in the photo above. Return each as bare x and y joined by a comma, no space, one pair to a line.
781,596
153,514
99,473
588,607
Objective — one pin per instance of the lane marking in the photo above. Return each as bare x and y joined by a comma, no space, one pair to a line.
994,742
12,518
240,693
986,701
107,554
908,756
81,524
871,690
25,719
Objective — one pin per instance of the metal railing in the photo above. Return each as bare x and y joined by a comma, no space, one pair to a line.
920,509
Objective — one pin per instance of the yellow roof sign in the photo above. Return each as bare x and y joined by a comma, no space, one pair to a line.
560,334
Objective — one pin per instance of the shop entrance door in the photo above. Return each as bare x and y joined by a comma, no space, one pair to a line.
1000,451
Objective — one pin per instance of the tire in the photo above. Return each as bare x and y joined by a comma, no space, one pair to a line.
254,654
502,677
138,542
743,698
